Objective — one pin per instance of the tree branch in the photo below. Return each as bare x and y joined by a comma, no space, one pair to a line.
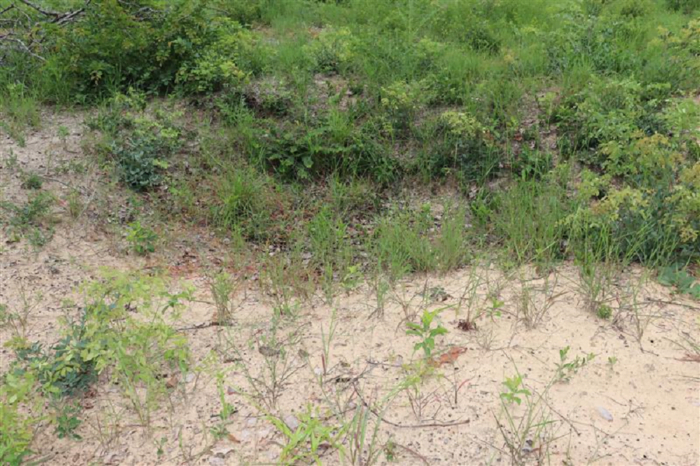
41,10
7,9
8,37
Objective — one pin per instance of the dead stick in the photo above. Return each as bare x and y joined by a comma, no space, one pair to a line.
408,426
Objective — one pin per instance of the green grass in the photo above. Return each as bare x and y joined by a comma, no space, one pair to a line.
558,126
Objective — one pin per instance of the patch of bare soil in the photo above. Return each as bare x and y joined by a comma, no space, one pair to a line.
636,402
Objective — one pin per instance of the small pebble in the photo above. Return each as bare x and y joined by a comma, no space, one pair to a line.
605,414
291,421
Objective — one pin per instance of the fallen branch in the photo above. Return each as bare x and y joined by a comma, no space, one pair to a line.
8,37
31,27
41,10
414,453
7,9
673,303
407,426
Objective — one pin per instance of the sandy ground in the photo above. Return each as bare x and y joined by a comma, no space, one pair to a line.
636,402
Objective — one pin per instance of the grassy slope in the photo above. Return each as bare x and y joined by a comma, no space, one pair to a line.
323,131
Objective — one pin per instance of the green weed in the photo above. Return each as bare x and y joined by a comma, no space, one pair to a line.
223,287
142,239
32,220
304,442
567,369
426,332
17,428
32,181
678,277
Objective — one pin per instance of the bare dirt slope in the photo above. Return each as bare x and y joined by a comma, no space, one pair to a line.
636,402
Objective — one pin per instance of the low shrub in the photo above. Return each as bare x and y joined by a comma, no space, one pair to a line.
458,144
139,143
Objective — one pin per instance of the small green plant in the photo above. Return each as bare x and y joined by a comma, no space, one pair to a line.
280,364
362,434
515,388
527,430
535,302
142,239
352,278
426,332
67,421
223,286
678,277
472,301
227,409
160,443
219,431
32,220
16,426
32,181
567,369
63,134
633,309
598,263
326,340
303,444
17,320
75,204
604,311
390,451
612,360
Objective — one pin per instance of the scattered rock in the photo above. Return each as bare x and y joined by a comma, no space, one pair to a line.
222,450
291,421
268,352
605,414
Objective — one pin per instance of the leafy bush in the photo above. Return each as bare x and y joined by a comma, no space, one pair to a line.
650,225
306,152
140,144
686,6
604,111
401,100
459,144
142,239
147,44
16,427
122,331
331,50
138,160
63,370
217,65
676,276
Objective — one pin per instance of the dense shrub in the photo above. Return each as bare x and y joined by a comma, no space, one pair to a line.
603,112
383,91
144,44
306,152
457,143
138,143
